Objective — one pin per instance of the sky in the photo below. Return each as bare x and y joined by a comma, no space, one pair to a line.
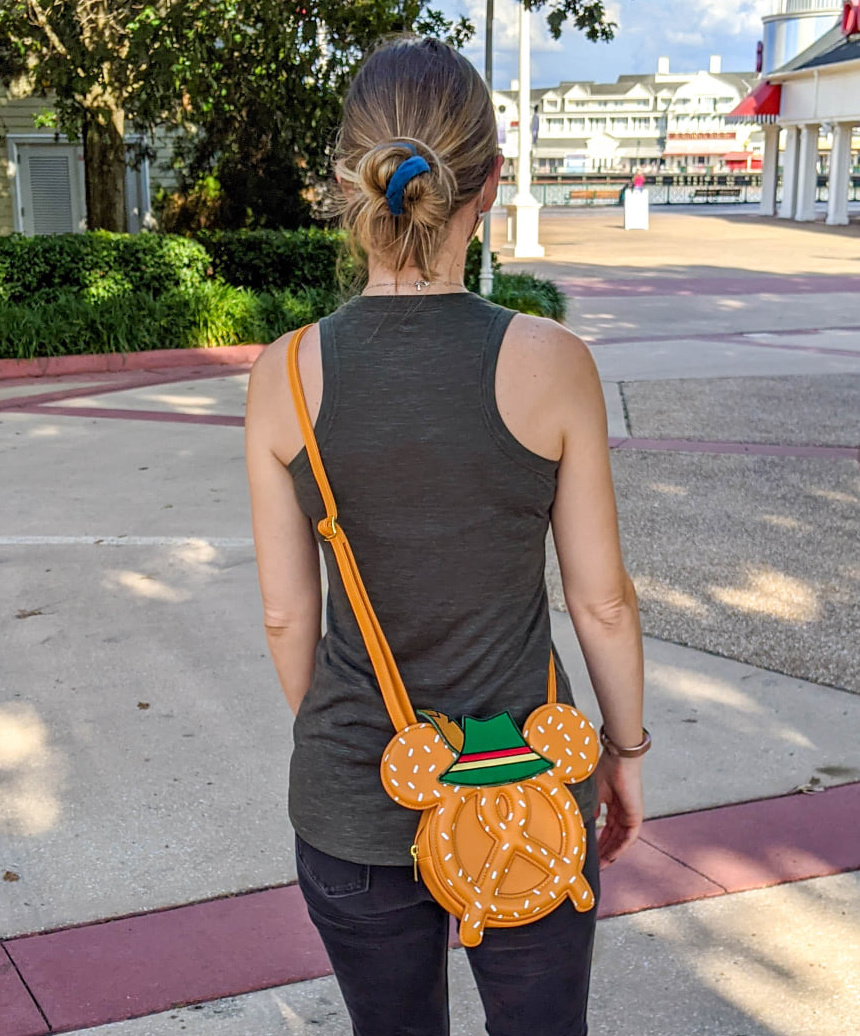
647,29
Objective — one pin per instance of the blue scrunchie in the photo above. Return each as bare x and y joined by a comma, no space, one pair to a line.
406,171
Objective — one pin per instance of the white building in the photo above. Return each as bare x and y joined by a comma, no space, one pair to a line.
673,121
810,111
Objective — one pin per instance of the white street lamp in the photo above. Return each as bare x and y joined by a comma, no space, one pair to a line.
485,280
526,206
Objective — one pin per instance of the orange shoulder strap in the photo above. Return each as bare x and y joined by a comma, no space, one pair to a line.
387,674
390,683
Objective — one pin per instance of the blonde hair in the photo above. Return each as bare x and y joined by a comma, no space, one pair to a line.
418,92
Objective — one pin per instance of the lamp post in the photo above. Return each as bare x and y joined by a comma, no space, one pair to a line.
485,280
526,206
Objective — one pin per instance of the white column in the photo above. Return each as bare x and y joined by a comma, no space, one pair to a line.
807,173
526,207
840,170
770,161
789,174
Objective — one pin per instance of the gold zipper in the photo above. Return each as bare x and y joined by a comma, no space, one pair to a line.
413,852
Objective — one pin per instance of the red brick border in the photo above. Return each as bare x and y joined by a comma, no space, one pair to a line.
127,967
156,359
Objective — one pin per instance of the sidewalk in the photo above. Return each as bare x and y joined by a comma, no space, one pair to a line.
143,760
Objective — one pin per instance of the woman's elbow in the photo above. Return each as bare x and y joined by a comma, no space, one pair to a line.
609,613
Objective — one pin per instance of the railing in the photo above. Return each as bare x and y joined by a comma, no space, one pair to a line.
675,189
805,6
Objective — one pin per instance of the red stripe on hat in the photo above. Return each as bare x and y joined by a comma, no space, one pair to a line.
474,757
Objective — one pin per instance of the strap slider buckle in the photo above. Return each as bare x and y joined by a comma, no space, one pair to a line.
328,528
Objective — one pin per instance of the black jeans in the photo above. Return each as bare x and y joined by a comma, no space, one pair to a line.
387,940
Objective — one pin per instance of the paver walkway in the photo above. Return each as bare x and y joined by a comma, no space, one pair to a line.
143,760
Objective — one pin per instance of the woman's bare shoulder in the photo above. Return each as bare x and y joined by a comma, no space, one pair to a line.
547,342
551,358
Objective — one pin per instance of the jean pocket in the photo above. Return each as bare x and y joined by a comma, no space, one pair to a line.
333,878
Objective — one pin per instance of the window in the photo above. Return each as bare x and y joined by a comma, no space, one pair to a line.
555,125
598,124
551,104
576,125
619,125
641,124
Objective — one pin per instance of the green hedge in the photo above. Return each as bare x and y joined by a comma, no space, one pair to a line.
100,292
529,294
207,315
266,259
98,265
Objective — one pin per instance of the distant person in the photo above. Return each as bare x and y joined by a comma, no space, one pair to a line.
453,431
638,181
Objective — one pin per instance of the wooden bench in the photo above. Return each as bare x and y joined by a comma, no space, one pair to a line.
594,194
717,192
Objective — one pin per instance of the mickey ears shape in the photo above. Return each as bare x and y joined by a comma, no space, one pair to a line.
564,735
412,763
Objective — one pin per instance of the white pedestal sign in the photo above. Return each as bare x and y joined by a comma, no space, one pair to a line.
636,208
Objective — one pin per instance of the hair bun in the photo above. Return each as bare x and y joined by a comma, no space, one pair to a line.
378,167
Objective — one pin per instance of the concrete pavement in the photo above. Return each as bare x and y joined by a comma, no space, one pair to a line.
144,744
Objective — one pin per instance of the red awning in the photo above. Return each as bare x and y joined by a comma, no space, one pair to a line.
762,105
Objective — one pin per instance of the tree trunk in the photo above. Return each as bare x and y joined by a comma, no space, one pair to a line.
104,170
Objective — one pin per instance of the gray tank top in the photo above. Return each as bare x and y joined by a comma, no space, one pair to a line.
447,514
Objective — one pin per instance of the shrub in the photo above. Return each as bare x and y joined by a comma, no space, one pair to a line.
529,294
264,260
98,265
208,315
474,254
100,292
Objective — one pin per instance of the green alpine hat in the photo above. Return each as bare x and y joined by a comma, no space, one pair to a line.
493,752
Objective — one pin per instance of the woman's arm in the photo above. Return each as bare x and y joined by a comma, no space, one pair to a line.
287,553
549,395
599,594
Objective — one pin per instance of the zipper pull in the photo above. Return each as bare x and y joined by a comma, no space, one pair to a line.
413,852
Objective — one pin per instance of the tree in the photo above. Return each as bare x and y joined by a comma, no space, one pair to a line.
257,85
265,97
588,16
266,104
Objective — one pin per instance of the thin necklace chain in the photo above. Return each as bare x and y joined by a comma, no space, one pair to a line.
418,285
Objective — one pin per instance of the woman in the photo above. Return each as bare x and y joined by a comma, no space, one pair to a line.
452,431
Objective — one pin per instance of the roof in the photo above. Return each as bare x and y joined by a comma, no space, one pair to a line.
847,50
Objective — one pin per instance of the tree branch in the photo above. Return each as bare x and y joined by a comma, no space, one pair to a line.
43,23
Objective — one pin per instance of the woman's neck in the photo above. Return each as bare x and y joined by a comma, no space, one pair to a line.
449,265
